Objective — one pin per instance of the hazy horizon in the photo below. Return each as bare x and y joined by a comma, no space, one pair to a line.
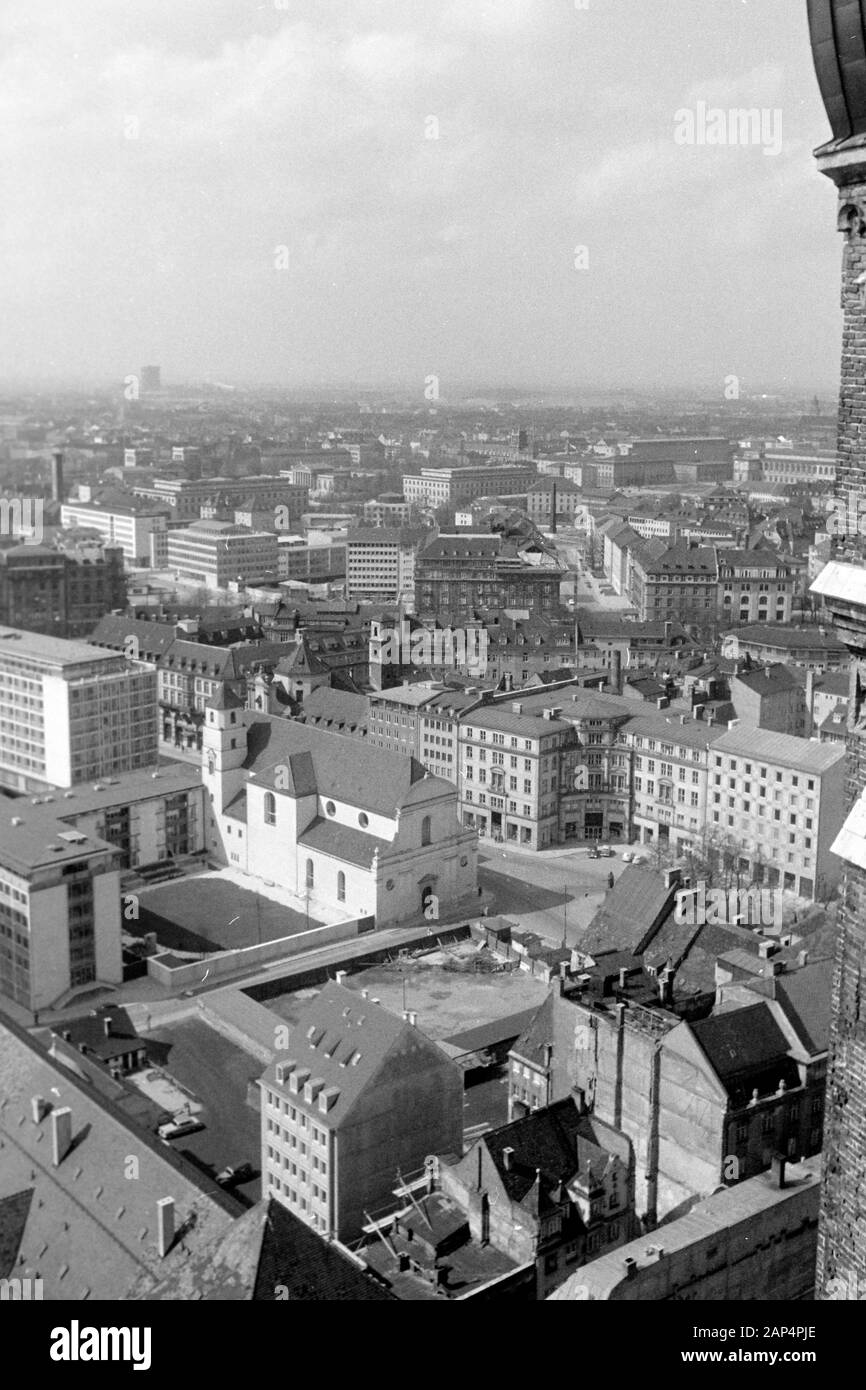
360,195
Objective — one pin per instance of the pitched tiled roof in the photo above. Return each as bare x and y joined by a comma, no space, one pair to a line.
538,1036
635,904
745,1045
270,1255
372,779
545,1152
344,1041
767,680
342,842
338,711
115,629
301,661
87,1227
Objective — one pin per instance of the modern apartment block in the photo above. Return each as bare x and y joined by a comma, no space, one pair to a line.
782,799
380,563
59,909
359,1098
70,712
128,526
219,553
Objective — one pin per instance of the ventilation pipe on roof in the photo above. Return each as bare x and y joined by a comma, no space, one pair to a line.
61,1134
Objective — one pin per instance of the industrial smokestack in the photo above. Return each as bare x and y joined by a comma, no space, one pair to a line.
57,493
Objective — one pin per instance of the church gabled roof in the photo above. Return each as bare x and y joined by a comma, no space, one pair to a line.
225,698
302,760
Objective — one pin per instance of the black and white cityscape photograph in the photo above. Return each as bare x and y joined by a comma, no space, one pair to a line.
432,669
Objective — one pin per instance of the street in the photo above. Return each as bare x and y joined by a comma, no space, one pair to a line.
552,893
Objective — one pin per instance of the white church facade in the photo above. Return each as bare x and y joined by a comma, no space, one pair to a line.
349,830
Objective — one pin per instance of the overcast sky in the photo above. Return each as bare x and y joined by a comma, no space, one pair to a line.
157,153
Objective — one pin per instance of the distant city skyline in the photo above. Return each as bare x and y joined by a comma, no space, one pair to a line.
367,195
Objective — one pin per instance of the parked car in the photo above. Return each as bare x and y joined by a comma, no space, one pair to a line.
605,851
180,1125
627,857
593,852
230,1177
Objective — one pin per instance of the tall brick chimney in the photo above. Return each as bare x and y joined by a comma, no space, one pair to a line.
838,35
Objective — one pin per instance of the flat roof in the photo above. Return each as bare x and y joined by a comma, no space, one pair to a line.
54,651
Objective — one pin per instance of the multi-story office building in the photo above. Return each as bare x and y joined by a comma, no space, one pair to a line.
669,778
461,576
782,800
380,563
755,586
184,498
395,716
360,1098
554,768
70,712
60,909
391,509
305,562
129,526
439,731
512,769
439,487
680,583
219,553
58,592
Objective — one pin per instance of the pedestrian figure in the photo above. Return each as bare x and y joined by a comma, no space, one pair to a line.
610,879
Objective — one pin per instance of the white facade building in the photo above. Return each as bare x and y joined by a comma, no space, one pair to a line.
70,712
349,830
783,799
219,553
127,527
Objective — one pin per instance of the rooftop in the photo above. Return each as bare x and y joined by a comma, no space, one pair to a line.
343,1042
800,754
373,779
50,651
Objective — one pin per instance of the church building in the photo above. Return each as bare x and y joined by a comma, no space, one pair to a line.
349,829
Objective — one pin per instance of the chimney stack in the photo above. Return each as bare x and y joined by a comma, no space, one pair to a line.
410,1017
165,1225
778,1171
507,1155
57,493
340,976
39,1109
61,1134
106,1026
